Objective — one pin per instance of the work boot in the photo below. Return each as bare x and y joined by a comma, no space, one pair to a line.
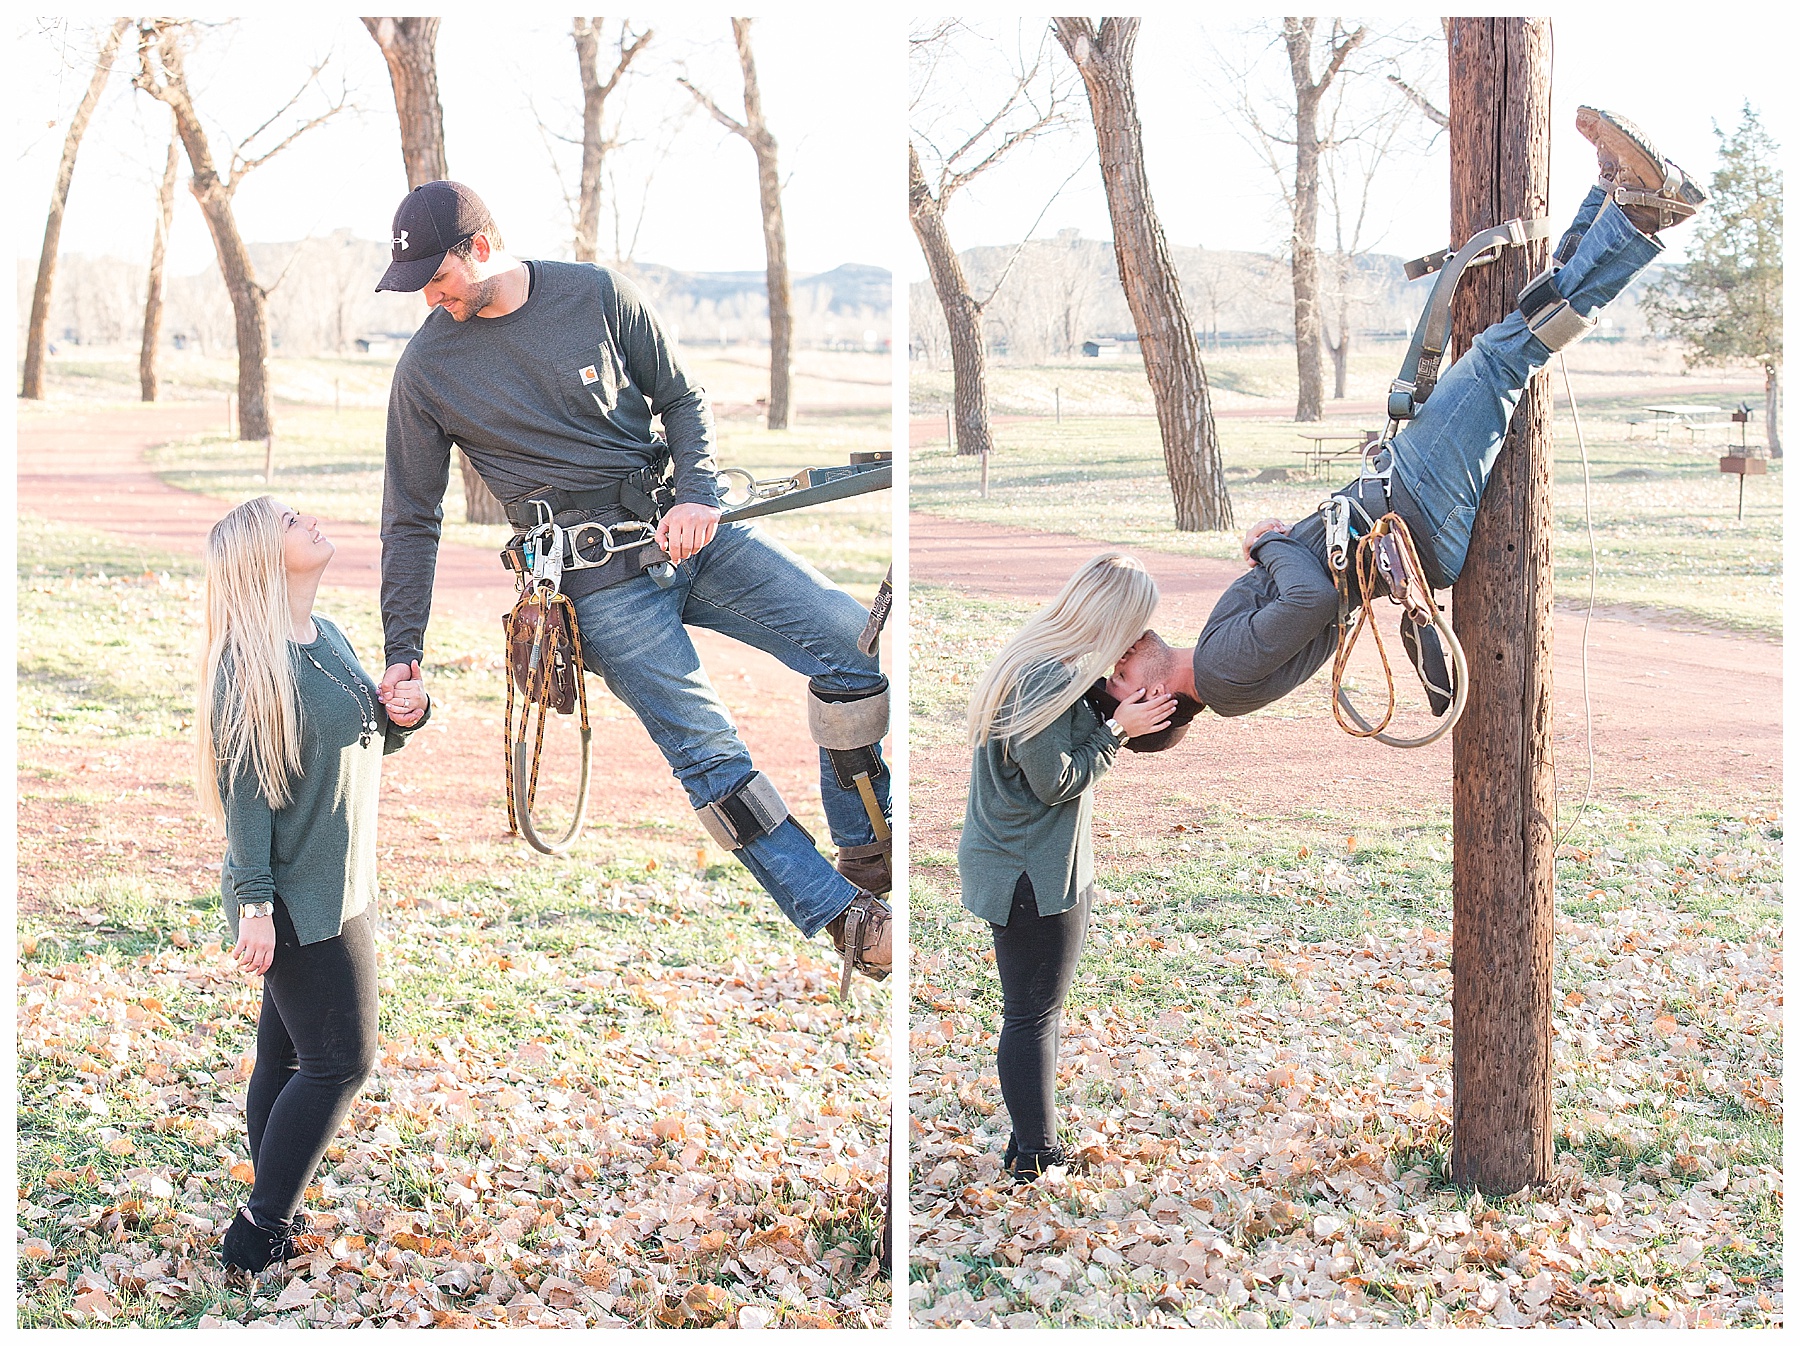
1653,191
869,867
863,934
247,1246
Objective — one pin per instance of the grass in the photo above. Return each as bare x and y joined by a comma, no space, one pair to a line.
1246,925
1664,517
640,979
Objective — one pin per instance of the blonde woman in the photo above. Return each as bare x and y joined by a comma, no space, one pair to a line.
290,735
1026,855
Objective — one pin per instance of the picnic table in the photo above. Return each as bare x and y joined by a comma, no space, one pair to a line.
1688,414
1316,455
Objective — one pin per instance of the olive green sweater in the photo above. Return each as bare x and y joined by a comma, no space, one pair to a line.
1031,807
317,851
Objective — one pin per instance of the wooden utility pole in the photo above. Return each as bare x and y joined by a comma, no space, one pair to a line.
1505,884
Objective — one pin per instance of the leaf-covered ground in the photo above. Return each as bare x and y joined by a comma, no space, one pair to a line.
1255,1081
616,1089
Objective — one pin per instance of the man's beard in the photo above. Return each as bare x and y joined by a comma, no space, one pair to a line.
480,296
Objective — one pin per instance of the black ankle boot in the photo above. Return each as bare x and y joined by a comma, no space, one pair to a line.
247,1246
1012,1153
1029,1165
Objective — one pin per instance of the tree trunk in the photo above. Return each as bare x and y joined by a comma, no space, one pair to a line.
594,146
32,383
962,315
1504,796
1152,287
1340,355
1772,407
1309,406
410,48
768,186
153,286
249,301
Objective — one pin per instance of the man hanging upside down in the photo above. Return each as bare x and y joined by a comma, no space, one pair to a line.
1276,625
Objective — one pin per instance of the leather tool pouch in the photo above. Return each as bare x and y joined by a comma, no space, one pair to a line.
521,626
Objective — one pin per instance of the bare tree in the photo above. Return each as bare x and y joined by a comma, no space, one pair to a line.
594,142
410,48
1152,288
1300,193
162,75
1348,187
32,384
153,286
755,132
1036,103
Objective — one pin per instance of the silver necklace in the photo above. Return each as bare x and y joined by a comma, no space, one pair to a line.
353,689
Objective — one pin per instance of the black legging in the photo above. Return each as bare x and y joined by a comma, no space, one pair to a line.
315,1045
1036,957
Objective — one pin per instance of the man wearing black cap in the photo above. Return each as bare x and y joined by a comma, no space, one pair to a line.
548,375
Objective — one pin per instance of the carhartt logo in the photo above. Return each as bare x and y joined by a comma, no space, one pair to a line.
590,375
401,242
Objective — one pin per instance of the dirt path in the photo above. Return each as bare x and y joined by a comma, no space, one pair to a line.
1675,710
86,466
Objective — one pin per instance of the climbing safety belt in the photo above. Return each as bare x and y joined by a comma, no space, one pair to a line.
543,638
1382,550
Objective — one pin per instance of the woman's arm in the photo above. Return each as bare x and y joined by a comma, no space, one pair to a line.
1055,766
249,840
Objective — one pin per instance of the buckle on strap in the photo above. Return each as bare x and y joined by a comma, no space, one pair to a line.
750,812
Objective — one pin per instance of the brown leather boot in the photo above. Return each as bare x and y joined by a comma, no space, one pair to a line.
1653,191
863,934
869,867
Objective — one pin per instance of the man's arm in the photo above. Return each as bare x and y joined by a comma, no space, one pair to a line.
412,514
650,358
1274,632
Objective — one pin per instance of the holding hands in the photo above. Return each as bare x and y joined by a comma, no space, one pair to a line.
402,691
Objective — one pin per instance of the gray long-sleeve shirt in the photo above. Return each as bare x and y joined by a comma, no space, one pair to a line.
560,392
1276,625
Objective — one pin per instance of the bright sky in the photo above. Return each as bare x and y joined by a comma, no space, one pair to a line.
1211,188
843,201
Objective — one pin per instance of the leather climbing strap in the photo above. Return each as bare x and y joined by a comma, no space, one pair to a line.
1431,338
551,659
1386,554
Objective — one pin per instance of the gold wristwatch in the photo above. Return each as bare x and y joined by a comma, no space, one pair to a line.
1118,730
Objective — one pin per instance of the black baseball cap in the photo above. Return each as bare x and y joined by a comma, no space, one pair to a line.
433,218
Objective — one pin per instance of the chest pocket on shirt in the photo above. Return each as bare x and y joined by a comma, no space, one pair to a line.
590,381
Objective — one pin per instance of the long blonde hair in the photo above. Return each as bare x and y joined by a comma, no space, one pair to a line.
248,709
1100,613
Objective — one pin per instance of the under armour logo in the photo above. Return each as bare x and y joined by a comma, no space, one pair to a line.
401,242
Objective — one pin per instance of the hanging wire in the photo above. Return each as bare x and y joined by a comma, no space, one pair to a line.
1587,625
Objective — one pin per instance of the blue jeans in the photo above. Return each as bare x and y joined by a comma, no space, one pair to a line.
746,586
1443,456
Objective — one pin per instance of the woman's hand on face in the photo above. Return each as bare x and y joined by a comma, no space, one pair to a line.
255,948
1141,713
